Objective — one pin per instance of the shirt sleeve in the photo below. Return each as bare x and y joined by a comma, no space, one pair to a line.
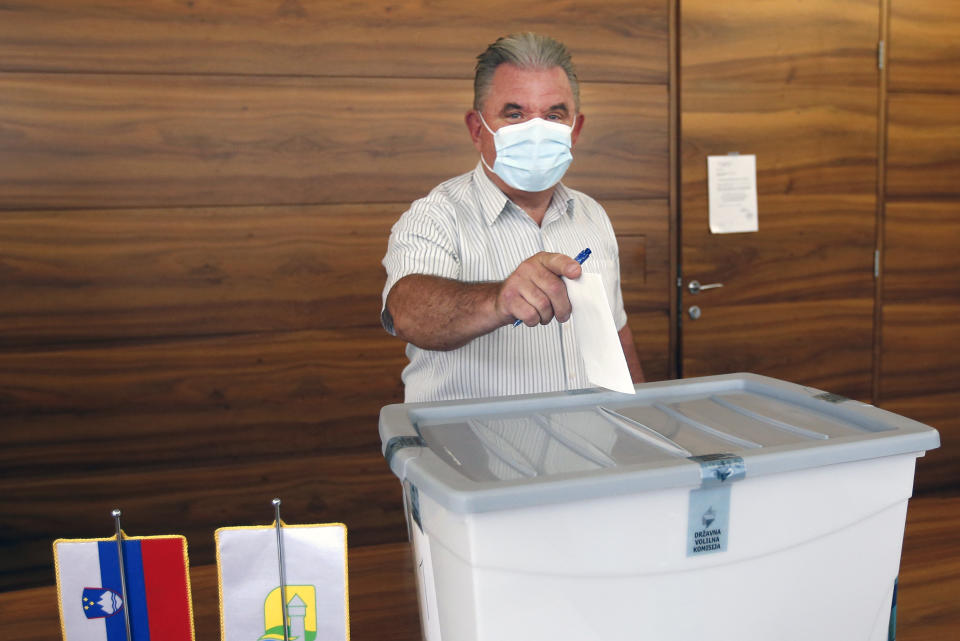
423,241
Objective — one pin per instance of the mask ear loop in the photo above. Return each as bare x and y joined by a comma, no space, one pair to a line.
492,133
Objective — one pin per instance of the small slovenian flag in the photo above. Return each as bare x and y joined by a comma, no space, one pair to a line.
91,594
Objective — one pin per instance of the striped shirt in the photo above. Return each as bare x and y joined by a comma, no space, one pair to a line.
466,229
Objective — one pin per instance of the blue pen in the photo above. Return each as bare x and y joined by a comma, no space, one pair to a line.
582,256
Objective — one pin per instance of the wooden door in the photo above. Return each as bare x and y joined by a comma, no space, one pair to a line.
796,84
920,362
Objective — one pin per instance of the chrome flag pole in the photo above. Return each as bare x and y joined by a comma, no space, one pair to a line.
283,577
123,573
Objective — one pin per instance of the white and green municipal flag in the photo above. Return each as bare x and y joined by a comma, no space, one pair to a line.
315,568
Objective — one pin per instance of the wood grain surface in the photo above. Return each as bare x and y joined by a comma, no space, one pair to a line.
120,275
921,327
616,40
191,499
791,49
809,247
794,84
643,236
194,203
919,348
924,50
194,373
106,140
938,469
820,343
923,147
827,146
921,300
919,364
383,600
920,252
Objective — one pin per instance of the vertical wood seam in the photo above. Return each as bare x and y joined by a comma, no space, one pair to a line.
673,133
882,71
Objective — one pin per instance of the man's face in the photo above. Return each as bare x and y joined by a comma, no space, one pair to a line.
517,95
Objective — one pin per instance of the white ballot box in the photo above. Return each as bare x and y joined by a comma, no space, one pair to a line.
733,506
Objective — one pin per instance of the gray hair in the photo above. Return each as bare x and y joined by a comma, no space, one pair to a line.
526,51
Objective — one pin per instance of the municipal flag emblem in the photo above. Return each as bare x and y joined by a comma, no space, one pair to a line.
251,606
99,603
301,614
158,589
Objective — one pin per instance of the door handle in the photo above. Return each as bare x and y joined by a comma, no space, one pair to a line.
695,287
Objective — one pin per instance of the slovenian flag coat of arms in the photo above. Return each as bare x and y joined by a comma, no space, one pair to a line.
90,592
315,569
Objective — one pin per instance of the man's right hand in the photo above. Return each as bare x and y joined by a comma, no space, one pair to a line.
534,293
442,314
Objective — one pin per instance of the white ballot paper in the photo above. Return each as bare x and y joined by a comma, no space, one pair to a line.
732,187
596,334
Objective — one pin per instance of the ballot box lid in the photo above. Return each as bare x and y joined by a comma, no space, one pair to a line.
480,455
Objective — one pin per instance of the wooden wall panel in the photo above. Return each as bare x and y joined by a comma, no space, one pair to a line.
805,142
923,147
151,141
920,354
794,84
823,343
117,275
643,234
149,439
357,489
922,252
194,204
344,366
791,49
809,247
924,50
919,366
623,148
937,471
651,331
614,40
188,434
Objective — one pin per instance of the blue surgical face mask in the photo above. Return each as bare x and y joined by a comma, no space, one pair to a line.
531,155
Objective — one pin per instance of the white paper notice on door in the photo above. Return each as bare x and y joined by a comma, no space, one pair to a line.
732,187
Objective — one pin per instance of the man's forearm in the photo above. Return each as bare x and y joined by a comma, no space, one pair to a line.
443,314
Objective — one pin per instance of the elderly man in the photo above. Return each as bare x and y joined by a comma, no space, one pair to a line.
489,248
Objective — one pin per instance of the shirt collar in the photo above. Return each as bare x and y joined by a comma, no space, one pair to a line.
561,204
495,202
